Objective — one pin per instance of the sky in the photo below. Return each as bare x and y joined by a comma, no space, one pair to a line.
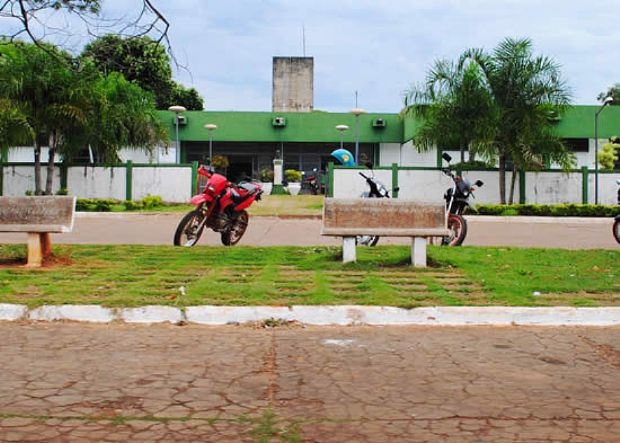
378,48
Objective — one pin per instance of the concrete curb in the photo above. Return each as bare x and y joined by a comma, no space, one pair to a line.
322,315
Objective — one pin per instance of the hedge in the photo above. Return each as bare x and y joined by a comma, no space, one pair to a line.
108,204
565,210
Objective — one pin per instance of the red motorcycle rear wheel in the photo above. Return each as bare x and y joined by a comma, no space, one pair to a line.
239,224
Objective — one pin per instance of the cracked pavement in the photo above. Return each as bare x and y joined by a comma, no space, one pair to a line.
65,382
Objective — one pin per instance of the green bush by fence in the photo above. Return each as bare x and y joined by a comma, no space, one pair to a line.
566,210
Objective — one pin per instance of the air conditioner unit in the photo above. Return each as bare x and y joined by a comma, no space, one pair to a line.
278,122
182,120
379,123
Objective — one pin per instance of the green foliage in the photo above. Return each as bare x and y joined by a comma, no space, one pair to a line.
500,104
266,175
220,162
144,61
95,205
292,175
613,92
278,190
565,210
151,201
608,155
62,191
131,205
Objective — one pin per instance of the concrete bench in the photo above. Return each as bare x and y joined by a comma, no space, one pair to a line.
38,217
348,218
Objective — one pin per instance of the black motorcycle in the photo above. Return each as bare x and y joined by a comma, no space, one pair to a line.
457,200
376,190
616,226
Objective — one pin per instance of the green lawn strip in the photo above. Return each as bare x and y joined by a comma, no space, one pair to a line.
528,276
128,275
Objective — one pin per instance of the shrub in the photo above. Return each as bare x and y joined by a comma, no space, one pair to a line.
131,205
220,161
97,205
563,210
151,201
266,175
292,175
62,191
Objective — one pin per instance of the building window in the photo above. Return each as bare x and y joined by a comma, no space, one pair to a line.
577,144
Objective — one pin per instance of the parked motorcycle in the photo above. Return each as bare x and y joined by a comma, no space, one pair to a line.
616,226
457,200
220,207
311,183
376,190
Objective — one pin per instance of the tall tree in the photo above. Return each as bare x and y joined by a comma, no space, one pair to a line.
71,108
528,92
30,20
146,62
455,109
40,82
613,92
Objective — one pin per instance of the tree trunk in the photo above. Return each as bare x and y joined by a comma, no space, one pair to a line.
37,169
512,185
502,178
50,164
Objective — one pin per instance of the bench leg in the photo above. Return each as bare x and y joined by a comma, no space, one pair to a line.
35,252
348,249
418,252
46,244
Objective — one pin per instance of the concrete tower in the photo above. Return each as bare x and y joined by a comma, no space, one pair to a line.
293,84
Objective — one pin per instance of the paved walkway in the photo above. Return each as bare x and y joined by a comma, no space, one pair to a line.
87,383
148,229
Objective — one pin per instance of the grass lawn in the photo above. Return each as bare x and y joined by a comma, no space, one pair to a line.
280,276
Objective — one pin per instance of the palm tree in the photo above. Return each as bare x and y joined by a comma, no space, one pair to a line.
455,109
529,93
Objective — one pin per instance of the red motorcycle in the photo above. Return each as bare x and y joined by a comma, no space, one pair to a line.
221,207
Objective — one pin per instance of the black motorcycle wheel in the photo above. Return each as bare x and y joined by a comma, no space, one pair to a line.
190,229
239,224
616,230
458,231
367,240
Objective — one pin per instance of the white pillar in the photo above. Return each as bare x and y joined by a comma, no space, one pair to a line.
348,249
418,252
277,172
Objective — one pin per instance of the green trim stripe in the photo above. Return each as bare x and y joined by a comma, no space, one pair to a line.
129,181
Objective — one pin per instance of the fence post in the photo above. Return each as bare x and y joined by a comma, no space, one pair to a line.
584,185
63,176
4,158
522,187
394,180
194,183
128,180
330,179
439,159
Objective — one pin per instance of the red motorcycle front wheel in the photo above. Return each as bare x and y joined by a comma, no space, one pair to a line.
190,229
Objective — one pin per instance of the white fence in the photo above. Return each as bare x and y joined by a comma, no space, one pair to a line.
171,183
429,185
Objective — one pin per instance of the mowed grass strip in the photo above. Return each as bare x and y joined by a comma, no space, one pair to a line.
127,275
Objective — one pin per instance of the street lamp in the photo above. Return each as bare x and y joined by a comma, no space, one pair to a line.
341,129
210,127
606,102
177,110
356,112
